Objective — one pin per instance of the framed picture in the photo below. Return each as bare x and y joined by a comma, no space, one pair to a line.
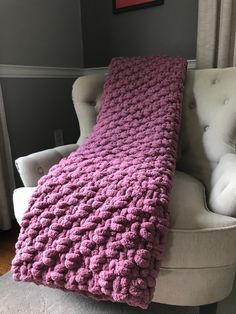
127,5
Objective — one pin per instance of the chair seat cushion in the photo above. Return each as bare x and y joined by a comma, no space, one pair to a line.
197,237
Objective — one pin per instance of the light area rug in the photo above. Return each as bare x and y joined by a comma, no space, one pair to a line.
28,298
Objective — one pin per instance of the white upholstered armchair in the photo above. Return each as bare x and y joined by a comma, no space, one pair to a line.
199,263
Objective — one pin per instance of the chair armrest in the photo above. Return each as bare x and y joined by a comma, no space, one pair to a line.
32,167
223,187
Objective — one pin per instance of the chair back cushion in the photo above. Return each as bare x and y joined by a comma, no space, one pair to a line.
208,129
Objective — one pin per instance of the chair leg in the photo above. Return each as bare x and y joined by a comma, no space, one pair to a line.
208,309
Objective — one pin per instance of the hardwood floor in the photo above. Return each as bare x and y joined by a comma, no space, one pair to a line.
7,247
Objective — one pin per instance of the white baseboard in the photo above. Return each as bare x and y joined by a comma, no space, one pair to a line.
192,64
26,71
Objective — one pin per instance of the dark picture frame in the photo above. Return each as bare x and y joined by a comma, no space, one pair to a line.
140,4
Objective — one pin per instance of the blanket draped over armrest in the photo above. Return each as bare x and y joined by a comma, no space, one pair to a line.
98,221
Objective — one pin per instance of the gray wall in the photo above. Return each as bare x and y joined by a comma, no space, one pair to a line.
96,25
169,29
40,33
34,108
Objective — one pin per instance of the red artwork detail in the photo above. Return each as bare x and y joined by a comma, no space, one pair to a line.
126,3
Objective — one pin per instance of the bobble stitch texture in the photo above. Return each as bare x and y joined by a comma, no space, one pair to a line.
97,222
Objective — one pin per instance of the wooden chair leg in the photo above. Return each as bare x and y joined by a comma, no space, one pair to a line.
208,309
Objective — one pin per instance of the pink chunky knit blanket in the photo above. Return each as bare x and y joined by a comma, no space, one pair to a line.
97,222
